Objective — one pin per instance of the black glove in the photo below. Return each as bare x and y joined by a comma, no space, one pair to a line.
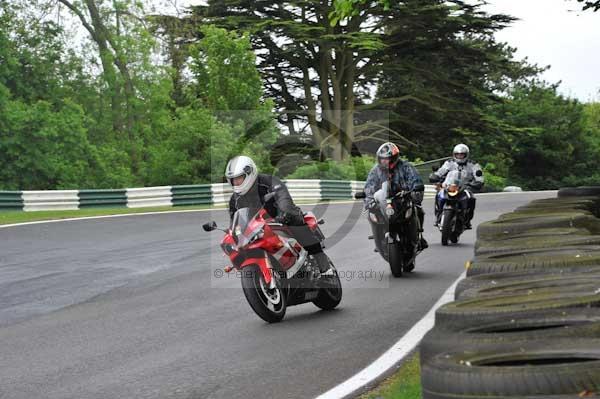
291,219
371,203
417,196
475,186
433,178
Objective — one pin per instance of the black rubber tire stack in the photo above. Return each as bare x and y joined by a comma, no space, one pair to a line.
526,320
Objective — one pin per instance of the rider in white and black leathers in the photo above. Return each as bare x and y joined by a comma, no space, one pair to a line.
249,190
471,176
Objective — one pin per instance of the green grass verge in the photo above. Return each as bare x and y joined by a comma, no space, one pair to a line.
404,384
10,217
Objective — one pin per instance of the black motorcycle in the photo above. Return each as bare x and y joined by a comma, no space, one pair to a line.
396,228
454,214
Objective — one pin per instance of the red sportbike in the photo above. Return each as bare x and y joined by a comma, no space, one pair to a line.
276,271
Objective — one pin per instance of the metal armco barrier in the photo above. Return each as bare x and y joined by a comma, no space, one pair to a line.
150,196
189,195
50,200
102,198
192,195
11,200
333,189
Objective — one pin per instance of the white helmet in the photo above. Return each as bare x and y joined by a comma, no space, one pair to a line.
461,149
241,166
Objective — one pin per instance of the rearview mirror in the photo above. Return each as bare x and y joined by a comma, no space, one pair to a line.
210,226
360,195
479,173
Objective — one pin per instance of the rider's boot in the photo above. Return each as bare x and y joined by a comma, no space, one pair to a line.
323,264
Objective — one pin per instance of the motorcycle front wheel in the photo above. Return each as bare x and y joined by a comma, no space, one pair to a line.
269,304
447,224
396,258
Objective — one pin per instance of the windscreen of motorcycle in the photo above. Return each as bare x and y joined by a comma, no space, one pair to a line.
240,226
381,197
453,177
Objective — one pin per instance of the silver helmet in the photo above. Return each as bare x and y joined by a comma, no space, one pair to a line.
241,166
461,149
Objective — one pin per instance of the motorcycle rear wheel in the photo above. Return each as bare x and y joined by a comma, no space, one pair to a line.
269,305
331,296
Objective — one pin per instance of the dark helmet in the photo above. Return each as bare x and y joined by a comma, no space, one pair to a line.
389,152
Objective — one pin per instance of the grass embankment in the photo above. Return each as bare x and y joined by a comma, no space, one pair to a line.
404,384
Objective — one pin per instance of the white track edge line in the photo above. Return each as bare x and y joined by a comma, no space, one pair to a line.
395,354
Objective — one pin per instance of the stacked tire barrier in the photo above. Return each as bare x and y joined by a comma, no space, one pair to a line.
526,320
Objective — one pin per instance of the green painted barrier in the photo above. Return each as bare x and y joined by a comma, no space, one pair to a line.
11,201
192,195
334,189
102,198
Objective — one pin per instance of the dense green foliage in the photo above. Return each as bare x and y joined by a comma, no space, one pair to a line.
59,129
140,98
355,168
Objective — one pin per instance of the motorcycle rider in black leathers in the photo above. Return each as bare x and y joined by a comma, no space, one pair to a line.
249,190
471,176
401,175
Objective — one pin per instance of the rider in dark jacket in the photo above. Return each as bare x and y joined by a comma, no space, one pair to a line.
249,190
402,175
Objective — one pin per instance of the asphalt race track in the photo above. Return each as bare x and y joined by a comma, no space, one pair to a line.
137,307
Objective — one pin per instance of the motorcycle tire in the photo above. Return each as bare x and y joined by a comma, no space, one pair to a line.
569,367
536,260
447,223
253,284
396,259
468,313
585,191
584,323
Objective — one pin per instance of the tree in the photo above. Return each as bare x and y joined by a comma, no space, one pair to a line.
42,146
549,145
177,35
311,66
593,5
442,70
211,130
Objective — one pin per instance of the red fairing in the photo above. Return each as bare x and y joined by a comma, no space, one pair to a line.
263,265
269,243
311,220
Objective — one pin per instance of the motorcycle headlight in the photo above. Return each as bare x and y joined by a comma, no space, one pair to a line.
390,211
227,248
